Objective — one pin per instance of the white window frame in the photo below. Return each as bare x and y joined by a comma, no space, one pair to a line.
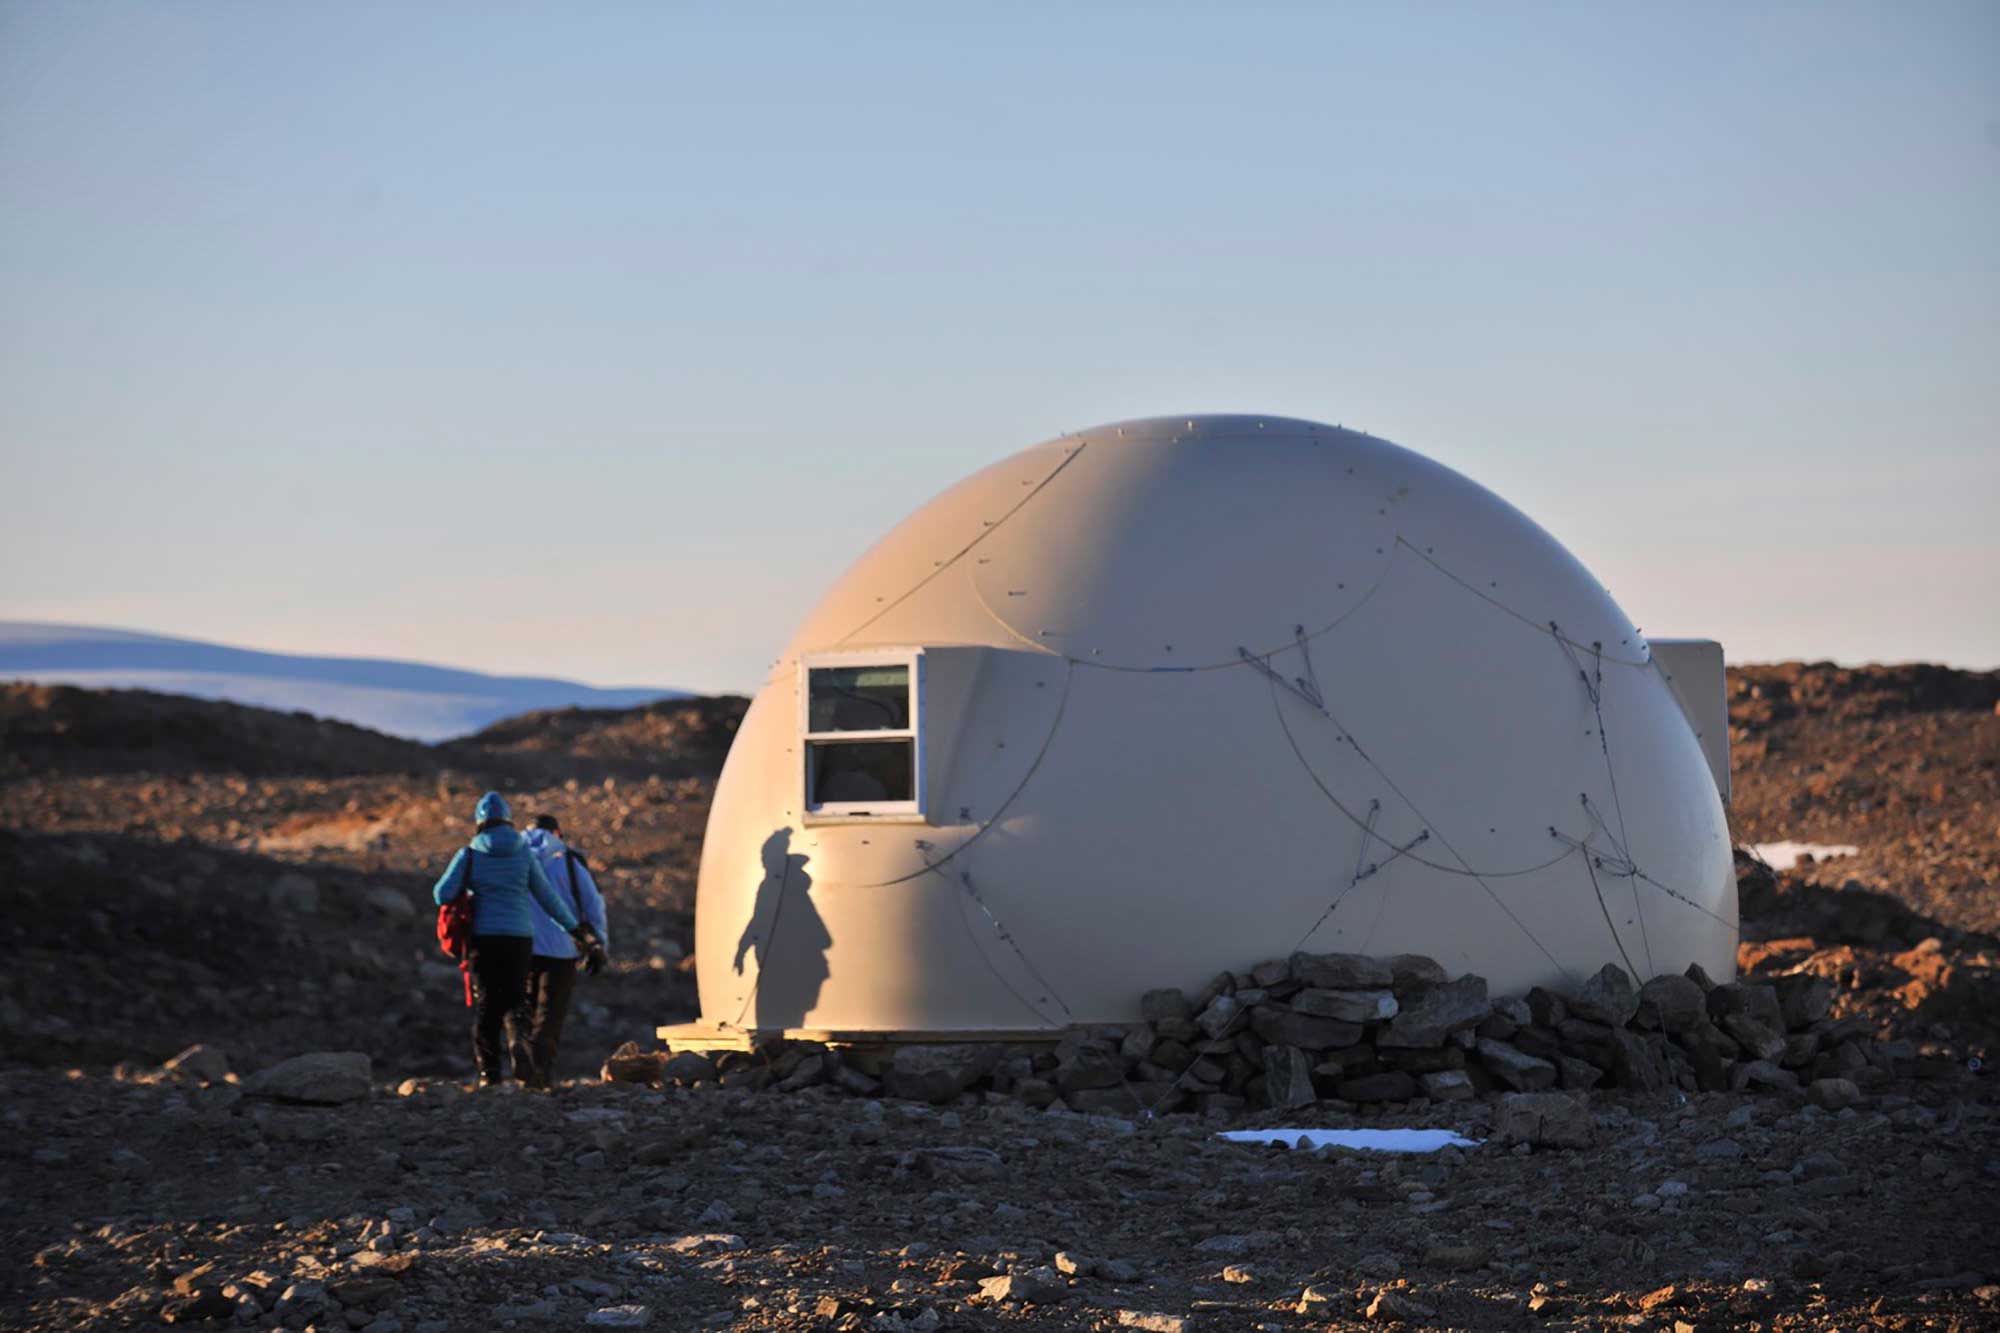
832,812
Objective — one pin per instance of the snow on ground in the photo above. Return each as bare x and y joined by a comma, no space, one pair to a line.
1785,855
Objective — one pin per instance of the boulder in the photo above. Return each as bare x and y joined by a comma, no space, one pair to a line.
1752,999
938,1073
1034,1286
1275,972
1545,1119
1091,1064
1609,997
1392,1306
1410,973
1834,1094
1164,1006
392,903
631,1064
323,1078
1447,1085
1349,1006
1220,1016
1341,971
292,892
1760,1041
1639,1062
687,1068
1673,1003
1288,1077
1577,1075
1515,1067
1803,998
1442,1010
1281,1026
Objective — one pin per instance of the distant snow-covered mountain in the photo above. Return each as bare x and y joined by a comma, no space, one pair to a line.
427,703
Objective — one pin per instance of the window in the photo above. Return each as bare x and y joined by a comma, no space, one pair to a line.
861,714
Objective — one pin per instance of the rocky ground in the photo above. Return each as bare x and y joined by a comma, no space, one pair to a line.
255,882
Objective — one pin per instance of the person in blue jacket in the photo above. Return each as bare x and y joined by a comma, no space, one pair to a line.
509,889
552,972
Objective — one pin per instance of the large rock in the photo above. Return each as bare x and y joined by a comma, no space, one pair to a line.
1341,971
1437,1013
1609,997
631,1063
324,1078
1349,1006
687,1068
1288,1077
1759,1040
1090,1064
1165,1006
939,1073
1272,972
292,892
1280,1026
1545,1119
392,903
1034,1286
1673,1003
1639,1062
1515,1067
1447,1085
1411,973
1834,1094
1803,999
1221,1016
1752,999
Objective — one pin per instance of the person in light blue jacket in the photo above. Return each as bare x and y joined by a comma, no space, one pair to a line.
509,890
537,1029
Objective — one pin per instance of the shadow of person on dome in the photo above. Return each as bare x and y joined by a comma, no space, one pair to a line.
787,936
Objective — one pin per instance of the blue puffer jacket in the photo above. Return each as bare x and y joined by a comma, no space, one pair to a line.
504,873
567,870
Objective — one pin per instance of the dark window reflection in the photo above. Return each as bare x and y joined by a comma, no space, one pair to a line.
862,698
846,772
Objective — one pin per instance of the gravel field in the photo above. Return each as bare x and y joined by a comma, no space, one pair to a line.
181,873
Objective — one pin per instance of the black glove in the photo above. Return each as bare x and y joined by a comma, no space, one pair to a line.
592,949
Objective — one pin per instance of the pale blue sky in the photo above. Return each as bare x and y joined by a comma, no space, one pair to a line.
594,339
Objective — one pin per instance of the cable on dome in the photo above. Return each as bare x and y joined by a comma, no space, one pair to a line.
1007,937
1593,685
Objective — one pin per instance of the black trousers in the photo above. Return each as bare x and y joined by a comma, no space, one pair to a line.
537,1027
500,965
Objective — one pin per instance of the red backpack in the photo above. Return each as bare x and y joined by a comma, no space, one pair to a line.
455,928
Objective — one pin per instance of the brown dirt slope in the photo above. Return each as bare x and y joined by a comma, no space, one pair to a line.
671,738
61,729
1902,762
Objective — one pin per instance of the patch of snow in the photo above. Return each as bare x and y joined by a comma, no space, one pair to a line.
1365,1140
409,699
1785,855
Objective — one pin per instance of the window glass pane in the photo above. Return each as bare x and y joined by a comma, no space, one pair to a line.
859,698
844,772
